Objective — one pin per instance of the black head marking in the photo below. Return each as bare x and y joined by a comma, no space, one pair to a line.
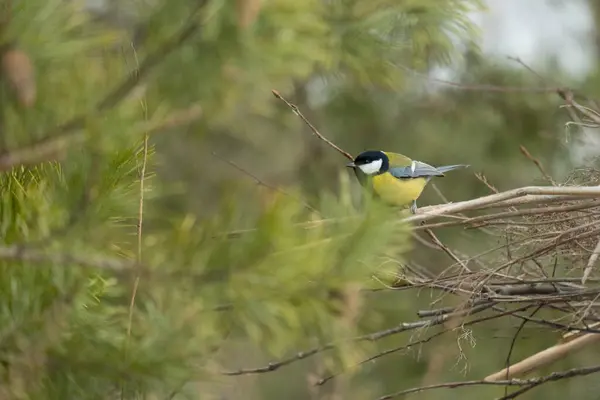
367,157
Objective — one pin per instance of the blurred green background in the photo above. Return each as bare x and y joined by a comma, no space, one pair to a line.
365,72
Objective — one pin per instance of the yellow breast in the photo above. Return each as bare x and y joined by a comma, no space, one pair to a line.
397,192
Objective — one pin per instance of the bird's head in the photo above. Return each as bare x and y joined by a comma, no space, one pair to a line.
372,162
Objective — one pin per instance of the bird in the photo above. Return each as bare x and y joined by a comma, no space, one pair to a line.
394,178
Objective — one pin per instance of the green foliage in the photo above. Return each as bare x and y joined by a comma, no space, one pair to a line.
275,283
224,274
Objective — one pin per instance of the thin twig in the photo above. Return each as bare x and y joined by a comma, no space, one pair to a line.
273,366
514,341
447,250
371,337
413,344
591,262
311,126
142,177
538,164
480,87
260,182
552,324
569,98
528,68
483,179
541,251
174,119
462,215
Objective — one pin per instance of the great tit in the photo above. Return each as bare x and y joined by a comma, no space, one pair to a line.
395,178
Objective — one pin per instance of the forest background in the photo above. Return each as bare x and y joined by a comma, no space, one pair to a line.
155,195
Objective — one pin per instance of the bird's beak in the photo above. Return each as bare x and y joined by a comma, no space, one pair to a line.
351,165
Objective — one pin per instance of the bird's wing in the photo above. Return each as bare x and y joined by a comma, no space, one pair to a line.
416,169
398,160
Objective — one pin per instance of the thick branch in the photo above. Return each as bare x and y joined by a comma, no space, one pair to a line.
528,383
427,213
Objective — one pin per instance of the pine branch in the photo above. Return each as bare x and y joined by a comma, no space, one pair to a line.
71,131
25,254
140,223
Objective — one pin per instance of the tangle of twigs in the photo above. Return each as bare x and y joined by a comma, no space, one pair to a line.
551,238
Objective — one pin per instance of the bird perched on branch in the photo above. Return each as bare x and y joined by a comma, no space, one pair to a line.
395,178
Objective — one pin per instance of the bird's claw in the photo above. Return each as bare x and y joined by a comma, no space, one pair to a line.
413,207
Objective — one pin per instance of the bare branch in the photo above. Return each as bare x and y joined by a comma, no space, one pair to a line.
538,164
528,383
447,250
416,343
402,327
512,214
311,126
481,87
544,358
495,200
592,261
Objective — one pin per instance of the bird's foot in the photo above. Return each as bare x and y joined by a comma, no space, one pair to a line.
413,207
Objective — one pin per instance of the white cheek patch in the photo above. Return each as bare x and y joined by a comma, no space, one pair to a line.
371,168
413,166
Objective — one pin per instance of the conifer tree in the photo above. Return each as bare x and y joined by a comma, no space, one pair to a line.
125,268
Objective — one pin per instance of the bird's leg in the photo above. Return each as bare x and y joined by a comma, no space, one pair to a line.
413,207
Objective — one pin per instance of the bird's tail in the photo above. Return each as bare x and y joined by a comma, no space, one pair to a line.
445,168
